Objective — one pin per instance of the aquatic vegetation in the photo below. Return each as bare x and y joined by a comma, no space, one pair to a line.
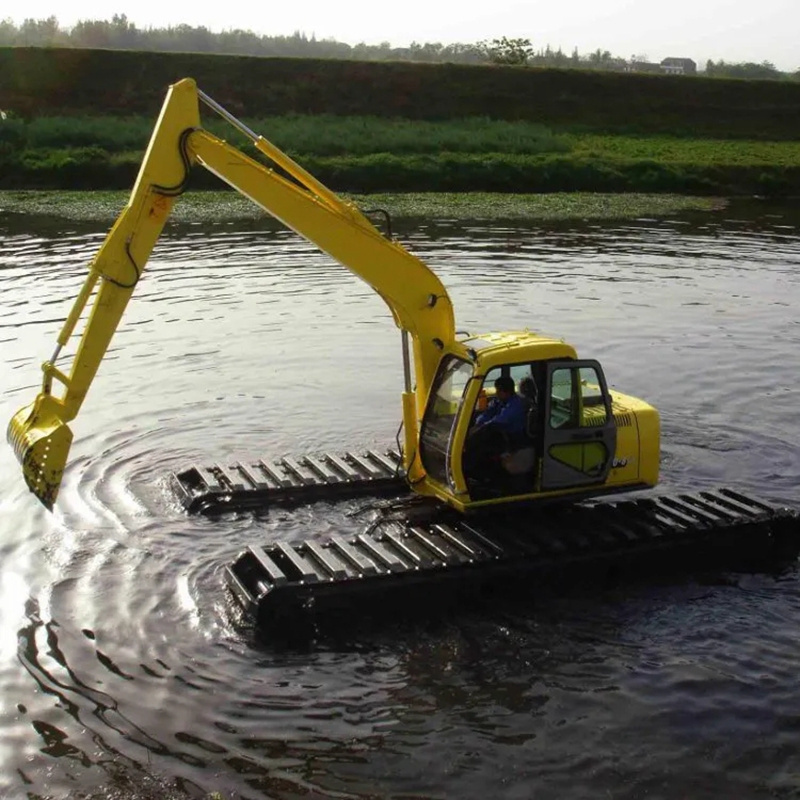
228,205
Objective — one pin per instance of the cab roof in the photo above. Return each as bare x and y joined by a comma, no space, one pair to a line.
516,346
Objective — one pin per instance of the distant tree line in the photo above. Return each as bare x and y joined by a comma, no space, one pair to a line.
766,70
121,33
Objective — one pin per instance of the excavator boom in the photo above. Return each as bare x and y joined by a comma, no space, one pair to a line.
40,434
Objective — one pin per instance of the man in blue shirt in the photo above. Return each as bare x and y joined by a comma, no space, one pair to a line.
507,409
497,431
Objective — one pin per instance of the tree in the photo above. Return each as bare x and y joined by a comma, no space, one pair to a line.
123,32
92,33
600,59
765,70
8,32
515,52
39,33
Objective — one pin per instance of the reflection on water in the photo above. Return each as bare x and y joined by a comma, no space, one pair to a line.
123,659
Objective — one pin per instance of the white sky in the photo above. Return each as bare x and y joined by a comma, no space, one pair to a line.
734,30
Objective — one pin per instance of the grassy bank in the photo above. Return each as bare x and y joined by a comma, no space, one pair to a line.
82,119
298,134
52,81
229,206
370,154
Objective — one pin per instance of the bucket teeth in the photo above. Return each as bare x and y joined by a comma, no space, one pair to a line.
41,441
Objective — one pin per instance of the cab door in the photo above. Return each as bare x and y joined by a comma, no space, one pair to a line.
580,435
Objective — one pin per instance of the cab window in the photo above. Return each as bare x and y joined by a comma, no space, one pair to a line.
576,398
441,414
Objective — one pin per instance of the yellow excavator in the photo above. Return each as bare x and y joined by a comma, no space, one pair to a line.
489,419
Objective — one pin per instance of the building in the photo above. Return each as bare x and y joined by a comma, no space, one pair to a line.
678,66
643,66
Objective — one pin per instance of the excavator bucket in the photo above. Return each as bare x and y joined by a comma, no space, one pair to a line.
41,441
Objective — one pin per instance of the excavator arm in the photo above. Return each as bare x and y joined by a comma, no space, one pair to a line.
420,306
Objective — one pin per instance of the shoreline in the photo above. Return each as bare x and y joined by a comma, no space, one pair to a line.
227,206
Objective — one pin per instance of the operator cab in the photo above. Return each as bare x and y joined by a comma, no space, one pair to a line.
559,435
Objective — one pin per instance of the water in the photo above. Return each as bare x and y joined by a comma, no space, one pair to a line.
127,671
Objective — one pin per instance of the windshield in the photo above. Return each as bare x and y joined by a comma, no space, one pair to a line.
441,414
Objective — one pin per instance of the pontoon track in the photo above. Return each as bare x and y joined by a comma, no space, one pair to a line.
288,481
279,581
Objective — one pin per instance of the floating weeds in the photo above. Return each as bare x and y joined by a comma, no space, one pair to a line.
228,206
564,205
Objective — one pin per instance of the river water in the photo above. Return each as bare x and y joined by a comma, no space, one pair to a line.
126,669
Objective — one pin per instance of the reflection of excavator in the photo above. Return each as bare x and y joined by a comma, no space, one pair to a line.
571,436
578,437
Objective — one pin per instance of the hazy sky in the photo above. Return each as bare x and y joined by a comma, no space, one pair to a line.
735,30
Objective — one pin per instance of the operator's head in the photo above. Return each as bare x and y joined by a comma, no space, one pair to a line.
504,387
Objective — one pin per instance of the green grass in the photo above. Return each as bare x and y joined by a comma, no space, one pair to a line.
371,154
327,135
113,134
322,134
673,150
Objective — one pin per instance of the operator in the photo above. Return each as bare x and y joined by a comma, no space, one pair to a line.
498,430
507,409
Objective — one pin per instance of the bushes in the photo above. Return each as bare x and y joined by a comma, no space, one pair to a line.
77,168
499,172
12,132
329,135
323,135
114,134
94,168
369,154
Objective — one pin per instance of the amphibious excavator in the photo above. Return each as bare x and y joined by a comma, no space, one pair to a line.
578,439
